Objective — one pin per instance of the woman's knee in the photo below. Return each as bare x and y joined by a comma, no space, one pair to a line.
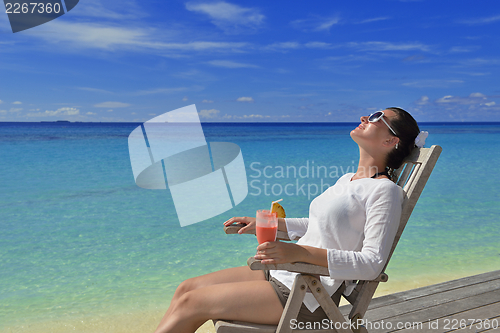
185,286
188,305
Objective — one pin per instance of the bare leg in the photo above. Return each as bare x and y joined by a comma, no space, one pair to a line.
231,275
236,274
253,301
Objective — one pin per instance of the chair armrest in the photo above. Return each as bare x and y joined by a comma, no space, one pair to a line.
298,267
234,228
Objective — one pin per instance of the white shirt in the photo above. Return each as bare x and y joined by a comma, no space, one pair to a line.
356,221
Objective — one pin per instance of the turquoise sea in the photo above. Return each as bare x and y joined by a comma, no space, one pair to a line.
83,249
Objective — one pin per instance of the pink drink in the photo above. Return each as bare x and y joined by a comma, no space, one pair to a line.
266,226
266,234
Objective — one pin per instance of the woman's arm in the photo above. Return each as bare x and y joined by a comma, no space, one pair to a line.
281,253
282,225
382,221
383,212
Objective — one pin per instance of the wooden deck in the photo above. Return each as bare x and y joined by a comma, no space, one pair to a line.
450,306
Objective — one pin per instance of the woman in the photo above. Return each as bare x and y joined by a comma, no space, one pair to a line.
350,230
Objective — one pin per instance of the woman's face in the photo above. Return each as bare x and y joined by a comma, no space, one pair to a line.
374,134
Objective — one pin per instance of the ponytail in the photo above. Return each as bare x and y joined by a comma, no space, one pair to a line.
407,130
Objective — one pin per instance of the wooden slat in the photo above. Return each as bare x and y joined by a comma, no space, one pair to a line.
476,297
411,177
222,326
403,177
428,158
326,302
492,329
419,155
363,299
234,228
394,299
432,300
466,318
293,304
428,314
298,267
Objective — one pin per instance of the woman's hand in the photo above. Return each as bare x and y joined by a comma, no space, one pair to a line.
278,252
248,222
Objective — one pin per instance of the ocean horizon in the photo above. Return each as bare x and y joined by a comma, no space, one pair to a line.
83,248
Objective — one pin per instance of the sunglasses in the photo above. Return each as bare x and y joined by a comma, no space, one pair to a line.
374,117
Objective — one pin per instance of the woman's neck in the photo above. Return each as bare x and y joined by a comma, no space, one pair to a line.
369,165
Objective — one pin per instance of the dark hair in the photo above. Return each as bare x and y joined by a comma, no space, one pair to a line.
407,130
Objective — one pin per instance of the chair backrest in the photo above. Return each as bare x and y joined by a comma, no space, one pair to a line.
412,177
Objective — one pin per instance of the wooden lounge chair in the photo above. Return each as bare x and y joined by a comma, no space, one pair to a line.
412,177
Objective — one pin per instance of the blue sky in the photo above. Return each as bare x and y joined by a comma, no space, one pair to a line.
325,61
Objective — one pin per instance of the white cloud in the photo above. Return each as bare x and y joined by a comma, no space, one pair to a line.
422,100
111,105
447,99
250,116
283,46
282,71
112,37
472,99
12,110
197,46
170,91
230,64
207,101
318,45
209,113
113,10
1,101
94,90
229,17
327,24
477,95
431,83
376,19
58,112
162,91
414,58
463,49
184,98
17,102
315,23
479,62
483,20
245,99
100,36
387,46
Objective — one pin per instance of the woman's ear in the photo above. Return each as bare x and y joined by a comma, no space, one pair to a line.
392,142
